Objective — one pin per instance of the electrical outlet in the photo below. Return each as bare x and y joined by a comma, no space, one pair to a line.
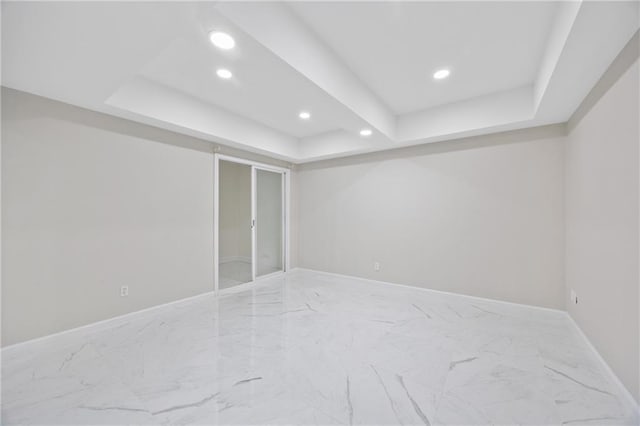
574,297
124,291
376,266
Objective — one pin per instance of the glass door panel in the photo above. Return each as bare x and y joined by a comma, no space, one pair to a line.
269,222
234,238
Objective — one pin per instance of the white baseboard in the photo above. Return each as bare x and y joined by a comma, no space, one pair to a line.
612,375
465,296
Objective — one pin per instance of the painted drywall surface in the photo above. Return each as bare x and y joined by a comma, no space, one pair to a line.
235,211
602,191
486,222
87,210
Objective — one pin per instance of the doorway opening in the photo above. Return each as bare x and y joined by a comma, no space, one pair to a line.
251,221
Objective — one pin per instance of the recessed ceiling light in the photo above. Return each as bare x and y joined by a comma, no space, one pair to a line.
440,74
224,73
222,40
365,132
304,115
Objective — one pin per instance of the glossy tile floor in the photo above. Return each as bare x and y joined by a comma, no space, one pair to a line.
311,348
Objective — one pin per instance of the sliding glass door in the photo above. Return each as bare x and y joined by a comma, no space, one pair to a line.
234,224
269,216
250,221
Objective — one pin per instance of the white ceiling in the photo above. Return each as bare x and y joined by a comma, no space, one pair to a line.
396,47
189,63
352,65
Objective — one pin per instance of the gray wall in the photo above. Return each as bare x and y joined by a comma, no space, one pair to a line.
91,203
602,187
482,216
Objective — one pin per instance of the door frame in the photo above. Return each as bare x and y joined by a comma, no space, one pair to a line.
286,217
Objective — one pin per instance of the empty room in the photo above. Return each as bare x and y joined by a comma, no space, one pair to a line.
320,213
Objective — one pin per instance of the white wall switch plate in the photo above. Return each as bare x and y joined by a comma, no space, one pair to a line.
376,266
574,297
124,290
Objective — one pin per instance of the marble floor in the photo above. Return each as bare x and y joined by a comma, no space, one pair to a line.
312,348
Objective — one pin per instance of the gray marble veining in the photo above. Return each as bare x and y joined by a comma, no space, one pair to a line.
312,348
